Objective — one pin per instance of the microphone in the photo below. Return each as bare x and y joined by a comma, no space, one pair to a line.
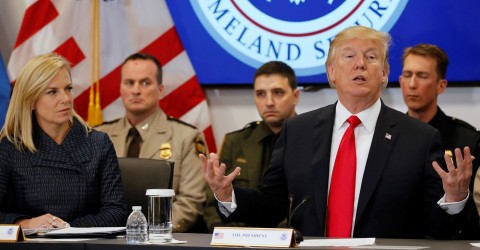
290,203
291,213
306,200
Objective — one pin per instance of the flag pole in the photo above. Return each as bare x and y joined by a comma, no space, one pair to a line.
91,100
95,116
98,108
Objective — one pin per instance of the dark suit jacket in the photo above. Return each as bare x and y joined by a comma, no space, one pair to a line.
78,180
400,188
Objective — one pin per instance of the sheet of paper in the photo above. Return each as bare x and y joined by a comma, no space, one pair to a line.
30,231
174,241
475,244
351,242
85,230
59,240
392,247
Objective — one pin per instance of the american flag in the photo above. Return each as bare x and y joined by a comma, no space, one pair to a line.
126,27
388,136
218,235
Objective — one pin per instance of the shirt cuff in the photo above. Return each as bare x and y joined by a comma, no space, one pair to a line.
453,207
227,208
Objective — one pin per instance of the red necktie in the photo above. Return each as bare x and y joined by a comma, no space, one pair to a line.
342,187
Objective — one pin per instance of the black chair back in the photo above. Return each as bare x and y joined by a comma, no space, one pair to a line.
140,174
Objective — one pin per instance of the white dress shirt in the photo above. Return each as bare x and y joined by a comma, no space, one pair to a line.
363,140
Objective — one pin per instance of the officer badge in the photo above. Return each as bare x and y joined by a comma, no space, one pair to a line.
165,151
449,153
241,160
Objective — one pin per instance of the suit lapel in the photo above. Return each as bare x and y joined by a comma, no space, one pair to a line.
383,141
321,141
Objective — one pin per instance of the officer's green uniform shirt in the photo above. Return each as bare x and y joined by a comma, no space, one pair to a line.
249,148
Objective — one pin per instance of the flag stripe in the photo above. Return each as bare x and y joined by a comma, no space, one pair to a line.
109,89
198,115
177,71
166,47
33,22
190,95
210,139
71,51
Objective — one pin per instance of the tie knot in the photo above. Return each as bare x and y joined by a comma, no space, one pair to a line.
354,121
133,132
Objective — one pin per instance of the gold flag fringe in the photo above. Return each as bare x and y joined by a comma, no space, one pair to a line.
95,116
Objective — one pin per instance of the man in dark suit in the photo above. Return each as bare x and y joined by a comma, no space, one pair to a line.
423,79
397,180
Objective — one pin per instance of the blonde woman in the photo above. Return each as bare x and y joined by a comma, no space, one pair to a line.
54,170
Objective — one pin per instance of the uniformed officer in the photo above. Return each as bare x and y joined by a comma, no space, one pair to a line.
275,94
422,80
147,132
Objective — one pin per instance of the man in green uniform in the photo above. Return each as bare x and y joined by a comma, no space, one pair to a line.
422,81
147,132
275,94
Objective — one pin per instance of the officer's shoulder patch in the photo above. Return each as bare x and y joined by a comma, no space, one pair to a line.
200,146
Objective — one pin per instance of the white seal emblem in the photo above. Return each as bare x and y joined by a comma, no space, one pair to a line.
258,31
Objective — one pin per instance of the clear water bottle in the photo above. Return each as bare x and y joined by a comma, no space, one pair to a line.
137,227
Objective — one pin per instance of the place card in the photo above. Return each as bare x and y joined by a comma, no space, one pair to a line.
253,237
11,232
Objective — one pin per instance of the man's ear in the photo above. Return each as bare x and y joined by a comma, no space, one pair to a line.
385,75
160,89
331,75
296,95
442,85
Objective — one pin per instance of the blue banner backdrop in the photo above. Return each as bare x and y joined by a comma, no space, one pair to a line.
227,40
4,91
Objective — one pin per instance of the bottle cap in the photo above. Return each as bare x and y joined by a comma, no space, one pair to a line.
136,208
161,192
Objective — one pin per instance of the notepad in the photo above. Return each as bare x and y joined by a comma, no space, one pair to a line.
83,232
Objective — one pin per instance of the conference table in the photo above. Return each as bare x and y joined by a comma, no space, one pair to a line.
202,241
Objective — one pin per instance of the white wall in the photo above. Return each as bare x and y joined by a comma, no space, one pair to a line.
232,108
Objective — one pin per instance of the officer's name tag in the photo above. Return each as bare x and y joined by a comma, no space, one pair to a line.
253,237
11,233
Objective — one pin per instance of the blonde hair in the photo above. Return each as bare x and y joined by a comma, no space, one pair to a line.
32,81
360,32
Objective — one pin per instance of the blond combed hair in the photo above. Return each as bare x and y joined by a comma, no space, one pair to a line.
32,81
360,32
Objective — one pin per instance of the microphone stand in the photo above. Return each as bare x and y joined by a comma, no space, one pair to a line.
297,234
